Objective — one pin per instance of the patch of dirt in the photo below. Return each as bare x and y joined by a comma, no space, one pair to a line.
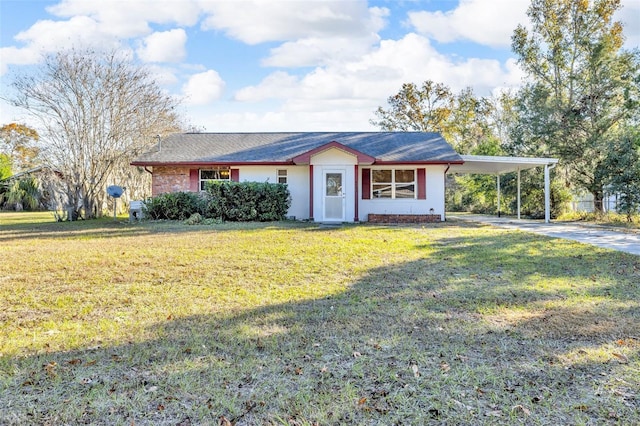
567,322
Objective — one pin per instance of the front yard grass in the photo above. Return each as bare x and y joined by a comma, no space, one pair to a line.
153,323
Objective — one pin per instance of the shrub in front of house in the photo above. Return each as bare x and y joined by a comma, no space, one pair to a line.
173,206
247,201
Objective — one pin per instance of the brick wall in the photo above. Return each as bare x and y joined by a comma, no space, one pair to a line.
404,218
170,179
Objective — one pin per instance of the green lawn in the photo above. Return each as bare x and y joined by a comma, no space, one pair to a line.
105,322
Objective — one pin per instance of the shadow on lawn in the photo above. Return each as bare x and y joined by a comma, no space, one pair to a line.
411,343
108,228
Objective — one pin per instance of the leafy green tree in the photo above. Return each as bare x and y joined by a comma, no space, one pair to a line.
622,170
96,111
582,86
5,172
5,166
427,108
20,143
462,119
470,126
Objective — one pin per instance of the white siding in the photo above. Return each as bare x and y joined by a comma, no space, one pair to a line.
435,196
333,160
297,182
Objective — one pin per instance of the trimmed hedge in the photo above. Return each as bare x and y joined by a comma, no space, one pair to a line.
226,201
173,206
247,201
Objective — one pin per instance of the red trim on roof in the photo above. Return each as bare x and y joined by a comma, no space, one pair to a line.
416,163
286,163
210,163
306,157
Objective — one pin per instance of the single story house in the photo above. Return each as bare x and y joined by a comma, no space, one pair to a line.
332,177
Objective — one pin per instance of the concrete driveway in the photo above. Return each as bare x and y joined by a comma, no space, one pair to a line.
628,242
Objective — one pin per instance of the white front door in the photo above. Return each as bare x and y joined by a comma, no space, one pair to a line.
334,196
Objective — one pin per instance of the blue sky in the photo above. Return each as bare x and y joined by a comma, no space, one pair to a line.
281,65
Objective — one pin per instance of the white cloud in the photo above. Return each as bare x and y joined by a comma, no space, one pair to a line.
166,46
46,36
164,76
487,22
319,51
259,21
203,88
306,49
284,121
104,25
17,56
79,31
629,15
127,19
344,96
276,85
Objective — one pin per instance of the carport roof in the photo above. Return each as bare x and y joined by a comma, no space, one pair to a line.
484,164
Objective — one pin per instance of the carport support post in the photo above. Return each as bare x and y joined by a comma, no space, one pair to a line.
518,193
547,197
498,186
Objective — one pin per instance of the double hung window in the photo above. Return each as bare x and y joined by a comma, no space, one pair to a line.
282,176
393,183
214,175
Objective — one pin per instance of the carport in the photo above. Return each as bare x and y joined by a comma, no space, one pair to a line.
495,165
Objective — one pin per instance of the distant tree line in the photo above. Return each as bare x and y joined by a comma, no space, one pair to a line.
580,103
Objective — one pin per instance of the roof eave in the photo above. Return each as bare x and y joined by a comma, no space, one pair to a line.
417,163
208,163
305,158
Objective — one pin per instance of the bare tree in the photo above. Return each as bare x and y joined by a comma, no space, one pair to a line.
96,112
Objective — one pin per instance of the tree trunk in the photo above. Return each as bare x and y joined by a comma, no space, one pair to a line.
598,200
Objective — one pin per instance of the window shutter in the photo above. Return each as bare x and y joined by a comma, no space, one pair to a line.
422,184
235,175
366,184
194,180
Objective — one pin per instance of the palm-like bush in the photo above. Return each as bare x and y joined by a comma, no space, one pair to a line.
23,194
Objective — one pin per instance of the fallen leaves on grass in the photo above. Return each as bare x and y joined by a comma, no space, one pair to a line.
520,409
414,368
50,369
621,357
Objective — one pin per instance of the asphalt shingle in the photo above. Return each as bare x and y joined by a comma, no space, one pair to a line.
199,148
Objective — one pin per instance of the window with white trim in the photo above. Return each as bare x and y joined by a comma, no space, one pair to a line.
214,175
282,176
393,183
